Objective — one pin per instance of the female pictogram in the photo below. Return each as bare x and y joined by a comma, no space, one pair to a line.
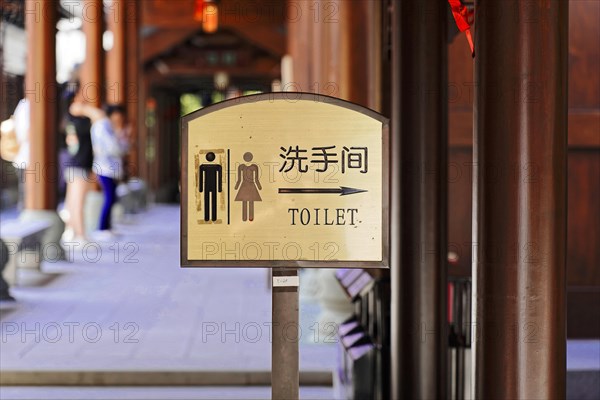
250,185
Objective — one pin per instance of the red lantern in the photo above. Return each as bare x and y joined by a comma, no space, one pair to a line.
198,10
210,17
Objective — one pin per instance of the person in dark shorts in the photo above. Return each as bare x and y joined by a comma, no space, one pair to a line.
78,168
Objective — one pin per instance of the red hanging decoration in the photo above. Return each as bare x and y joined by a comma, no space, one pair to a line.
199,10
464,19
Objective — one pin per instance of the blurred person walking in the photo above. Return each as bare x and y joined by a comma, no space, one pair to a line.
4,288
21,161
77,175
14,145
110,144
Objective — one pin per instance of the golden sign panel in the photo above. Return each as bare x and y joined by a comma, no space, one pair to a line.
285,180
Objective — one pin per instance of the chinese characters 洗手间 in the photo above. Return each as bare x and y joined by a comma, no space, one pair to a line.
350,157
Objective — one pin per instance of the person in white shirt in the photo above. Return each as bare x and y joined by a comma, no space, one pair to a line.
110,144
22,120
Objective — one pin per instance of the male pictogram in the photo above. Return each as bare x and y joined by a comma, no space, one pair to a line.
210,177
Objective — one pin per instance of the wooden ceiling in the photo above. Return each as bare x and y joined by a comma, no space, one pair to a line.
250,41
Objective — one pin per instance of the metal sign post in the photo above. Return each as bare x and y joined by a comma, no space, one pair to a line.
285,375
285,181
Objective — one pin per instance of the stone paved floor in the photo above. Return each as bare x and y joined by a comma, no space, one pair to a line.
129,306
172,393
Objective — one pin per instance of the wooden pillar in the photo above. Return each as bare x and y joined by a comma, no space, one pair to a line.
41,178
92,71
395,338
330,52
123,68
116,82
358,35
135,105
334,51
419,338
133,95
374,53
520,194
316,70
299,46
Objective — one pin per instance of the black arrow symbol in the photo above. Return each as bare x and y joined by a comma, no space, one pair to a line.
342,190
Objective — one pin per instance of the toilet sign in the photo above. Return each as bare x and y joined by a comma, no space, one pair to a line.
285,180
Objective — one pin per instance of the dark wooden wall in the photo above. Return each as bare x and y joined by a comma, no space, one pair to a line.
583,247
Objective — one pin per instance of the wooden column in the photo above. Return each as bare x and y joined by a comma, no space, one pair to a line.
299,46
395,338
357,43
41,90
419,338
334,51
116,82
520,199
123,68
374,53
316,70
92,71
133,90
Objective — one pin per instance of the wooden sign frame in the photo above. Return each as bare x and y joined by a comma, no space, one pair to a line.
291,97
